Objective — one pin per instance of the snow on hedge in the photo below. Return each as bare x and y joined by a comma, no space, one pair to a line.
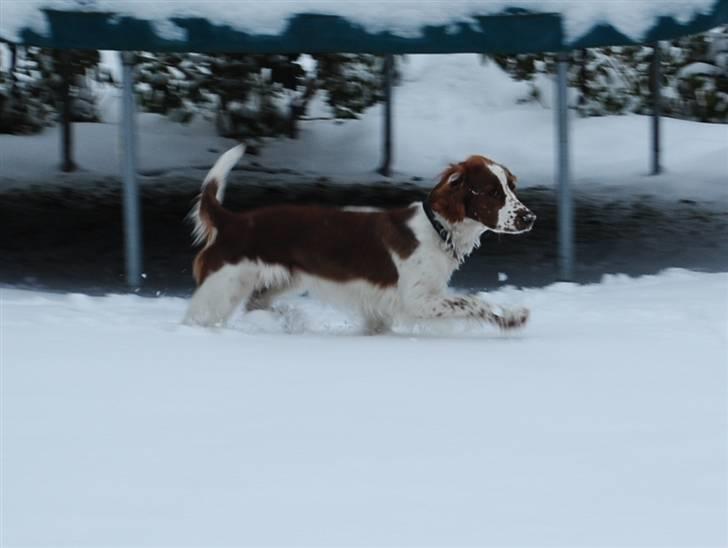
401,17
435,122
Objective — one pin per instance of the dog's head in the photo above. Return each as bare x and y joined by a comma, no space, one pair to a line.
484,191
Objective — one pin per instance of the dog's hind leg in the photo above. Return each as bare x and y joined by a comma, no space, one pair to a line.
262,297
377,325
219,295
272,283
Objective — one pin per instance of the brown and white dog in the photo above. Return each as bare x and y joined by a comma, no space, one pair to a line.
384,264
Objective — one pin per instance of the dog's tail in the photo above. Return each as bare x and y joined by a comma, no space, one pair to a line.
207,213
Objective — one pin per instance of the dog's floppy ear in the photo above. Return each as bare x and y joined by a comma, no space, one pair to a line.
455,179
453,176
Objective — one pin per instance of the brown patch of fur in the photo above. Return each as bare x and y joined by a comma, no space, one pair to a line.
211,211
395,232
335,244
206,262
207,204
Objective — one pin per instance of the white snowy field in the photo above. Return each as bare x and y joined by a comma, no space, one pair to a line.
603,423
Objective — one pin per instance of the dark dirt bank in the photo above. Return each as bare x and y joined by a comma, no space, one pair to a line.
69,237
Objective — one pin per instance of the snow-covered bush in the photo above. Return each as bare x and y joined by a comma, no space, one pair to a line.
701,77
614,80
353,82
255,95
31,87
606,86
173,84
26,100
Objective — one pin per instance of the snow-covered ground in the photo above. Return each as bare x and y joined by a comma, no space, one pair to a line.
603,423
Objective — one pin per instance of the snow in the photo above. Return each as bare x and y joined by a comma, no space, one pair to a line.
163,145
602,423
697,69
400,17
446,108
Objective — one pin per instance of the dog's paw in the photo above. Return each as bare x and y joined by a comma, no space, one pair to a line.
512,318
293,319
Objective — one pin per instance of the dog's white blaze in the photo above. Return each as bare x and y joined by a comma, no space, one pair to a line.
507,214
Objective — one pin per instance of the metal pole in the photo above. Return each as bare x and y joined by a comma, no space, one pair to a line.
13,60
566,206
386,168
67,163
132,218
656,80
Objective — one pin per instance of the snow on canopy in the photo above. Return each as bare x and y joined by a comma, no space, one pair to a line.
396,26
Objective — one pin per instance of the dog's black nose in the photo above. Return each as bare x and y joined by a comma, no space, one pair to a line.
524,219
529,217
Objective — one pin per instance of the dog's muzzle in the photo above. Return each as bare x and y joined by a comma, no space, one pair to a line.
525,219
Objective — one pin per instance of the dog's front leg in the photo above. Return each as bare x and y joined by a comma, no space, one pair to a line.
469,307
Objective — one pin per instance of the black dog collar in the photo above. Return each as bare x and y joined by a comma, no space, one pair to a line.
437,225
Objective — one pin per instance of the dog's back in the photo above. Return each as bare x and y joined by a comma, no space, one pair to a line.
335,244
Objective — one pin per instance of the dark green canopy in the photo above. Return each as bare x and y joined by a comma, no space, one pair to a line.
512,31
